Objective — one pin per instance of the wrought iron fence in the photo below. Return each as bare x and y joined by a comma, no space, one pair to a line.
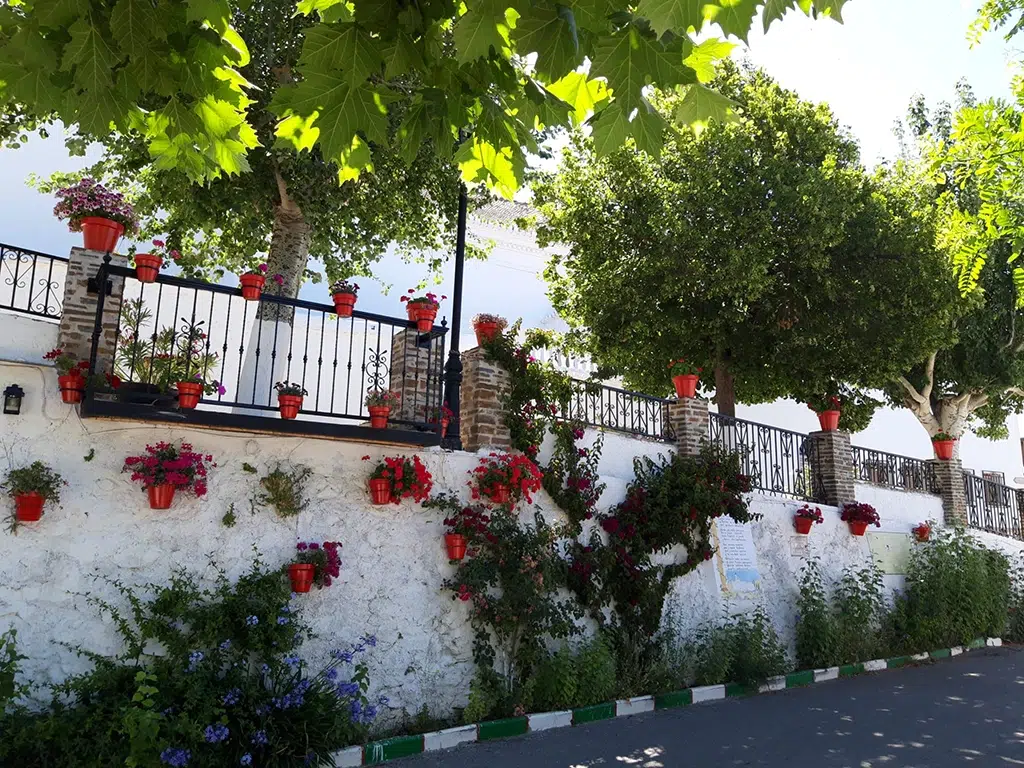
32,282
175,329
779,462
993,507
617,409
894,471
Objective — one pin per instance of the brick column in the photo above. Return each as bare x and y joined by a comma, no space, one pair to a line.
484,388
950,477
832,467
78,317
416,372
688,419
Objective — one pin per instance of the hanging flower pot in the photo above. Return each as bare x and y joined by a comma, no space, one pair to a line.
425,318
160,496
686,385
147,267
422,310
499,493
301,576
72,385
290,405
803,525
28,507
444,426
859,516
487,326
379,416
922,532
857,527
252,285
189,393
380,490
344,303
829,420
456,545
944,447
805,517
99,234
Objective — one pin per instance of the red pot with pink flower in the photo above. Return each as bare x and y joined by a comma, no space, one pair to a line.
805,517
944,445
289,398
422,310
165,468
685,377
442,416
379,404
455,544
148,265
399,477
315,564
505,479
487,327
100,214
858,516
71,372
252,283
922,532
344,294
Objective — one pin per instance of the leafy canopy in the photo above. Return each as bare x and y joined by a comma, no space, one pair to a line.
171,72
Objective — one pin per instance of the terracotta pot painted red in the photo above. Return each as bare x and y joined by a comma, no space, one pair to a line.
380,490
290,405
829,421
189,393
444,426
456,545
71,387
943,449
922,533
28,507
379,416
485,332
686,385
99,234
499,493
424,318
344,303
803,525
856,528
147,267
301,576
160,496
252,285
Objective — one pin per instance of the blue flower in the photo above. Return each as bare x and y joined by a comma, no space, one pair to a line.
371,640
348,689
265,669
193,660
345,656
174,757
226,645
231,697
291,661
262,710
216,733
332,674
383,701
252,621
282,620
356,708
260,738
310,757
246,759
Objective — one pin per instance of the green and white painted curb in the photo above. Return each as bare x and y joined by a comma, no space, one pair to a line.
378,752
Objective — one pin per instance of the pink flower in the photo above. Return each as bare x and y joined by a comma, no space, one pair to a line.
159,243
262,268
278,279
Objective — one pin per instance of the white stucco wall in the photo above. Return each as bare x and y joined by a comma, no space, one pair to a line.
24,338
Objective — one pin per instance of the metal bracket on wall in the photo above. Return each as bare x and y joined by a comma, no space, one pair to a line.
92,288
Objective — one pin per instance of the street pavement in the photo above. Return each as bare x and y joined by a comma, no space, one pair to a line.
966,711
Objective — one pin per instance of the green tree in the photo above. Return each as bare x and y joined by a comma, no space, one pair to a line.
757,248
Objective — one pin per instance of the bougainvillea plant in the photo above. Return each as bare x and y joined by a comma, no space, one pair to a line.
324,557
177,465
470,520
807,512
572,478
439,414
514,471
859,512
683,367
408,478
90,198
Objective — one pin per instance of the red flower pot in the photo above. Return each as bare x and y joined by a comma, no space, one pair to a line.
943,449
28,507
829,421
857,528
380,490
485,332
71,387
379,416
301,576
456,545
922,533
499,493
189,393
99,234
803,525
147,267
686,385
290,405
252,285
425,315
444,426
344,303
160,496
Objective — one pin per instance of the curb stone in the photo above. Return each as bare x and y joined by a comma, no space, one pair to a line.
381,751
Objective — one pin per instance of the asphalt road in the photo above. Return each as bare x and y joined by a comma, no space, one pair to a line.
966,711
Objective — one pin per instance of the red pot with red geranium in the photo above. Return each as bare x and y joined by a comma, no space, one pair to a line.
31,487
463,523
164,468
100,214
399,477
828,408
505,479
805,517
315,564
422,310
859,516
289,398
944,445
344,295
252,283
442,416
922,531
71,378
148,265
487,327
685,377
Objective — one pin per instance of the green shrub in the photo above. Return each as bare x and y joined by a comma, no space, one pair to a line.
1015,620
645,665
10,659
745,650
555,685
816,645
596,673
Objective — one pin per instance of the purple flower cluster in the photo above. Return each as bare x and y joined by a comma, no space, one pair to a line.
193,660
293,700
252,621
216,733
90,198
246,759
260,738
174,757
232,697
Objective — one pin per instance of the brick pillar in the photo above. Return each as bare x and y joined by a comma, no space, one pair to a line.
484,388
78,318
950,477
416,372
688,419
832,467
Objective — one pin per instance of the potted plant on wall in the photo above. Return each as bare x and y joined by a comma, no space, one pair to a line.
31,487
289,398
399,477
422,310
685,376
190,391
828,409
344,295
148,265
442,415
859,516
505,479
379,403
922,531
252,282
463,523
100,214
807,516
486,326
315,563
165,468
71,374
943,443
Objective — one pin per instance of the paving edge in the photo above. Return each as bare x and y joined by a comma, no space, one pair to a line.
381,751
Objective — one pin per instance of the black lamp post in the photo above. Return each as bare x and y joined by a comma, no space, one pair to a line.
12,400
453,368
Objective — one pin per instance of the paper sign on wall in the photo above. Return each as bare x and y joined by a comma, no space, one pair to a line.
891,551
736,558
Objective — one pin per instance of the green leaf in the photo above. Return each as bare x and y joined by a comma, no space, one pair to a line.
674,15
298,132
340,46
89,55
58,14
216,12
831,8
354,160
703,57
735,17
401,56
775,9
151,72
701,105
477,32
548,34
103,107
415,126
133,24
306,7
610,129
647,128
480,161
581,94
628,61
32,86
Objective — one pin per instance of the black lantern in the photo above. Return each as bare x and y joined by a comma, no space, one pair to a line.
12,399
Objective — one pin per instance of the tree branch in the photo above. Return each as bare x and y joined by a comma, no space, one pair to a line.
929,375
916,396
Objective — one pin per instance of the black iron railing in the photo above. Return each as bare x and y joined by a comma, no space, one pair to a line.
175,329
993,507
617,409
894,471
32,282
779,462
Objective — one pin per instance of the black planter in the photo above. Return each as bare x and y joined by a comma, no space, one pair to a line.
141,393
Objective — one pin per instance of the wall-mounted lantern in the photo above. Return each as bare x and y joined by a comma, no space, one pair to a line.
12,400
